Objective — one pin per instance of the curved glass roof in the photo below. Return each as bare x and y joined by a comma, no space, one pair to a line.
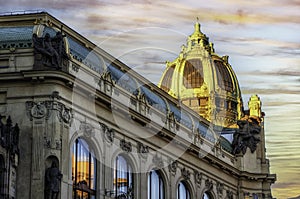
122,79
16,37
181,116
154,99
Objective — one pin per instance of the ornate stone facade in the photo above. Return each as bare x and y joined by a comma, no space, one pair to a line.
106,128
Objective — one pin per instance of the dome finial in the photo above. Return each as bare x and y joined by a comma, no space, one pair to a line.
197,26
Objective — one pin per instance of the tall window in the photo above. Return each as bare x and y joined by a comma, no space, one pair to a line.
83,171
223,75
182,191
123,179
155,186
193,74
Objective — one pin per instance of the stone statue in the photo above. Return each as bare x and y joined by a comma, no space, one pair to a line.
49,52
247,135
52,179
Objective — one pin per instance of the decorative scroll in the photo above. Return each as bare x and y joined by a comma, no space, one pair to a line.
87,129
173,166
52,144
229,194
143,150
157,160
198,177
108,134
208,184
220,187
44,109
125,146
185,173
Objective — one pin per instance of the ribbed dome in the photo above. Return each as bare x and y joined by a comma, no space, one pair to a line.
204,81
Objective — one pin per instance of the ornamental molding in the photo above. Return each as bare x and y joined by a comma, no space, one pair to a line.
198,177
126,146
87,129
143,150
220,188
229,194
173,166
44,109
158,161
52,144
108,134
185,173
208,185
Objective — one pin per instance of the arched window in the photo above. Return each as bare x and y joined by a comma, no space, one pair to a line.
123,178
207,195
223,75
155,186
84,167
193,74
182,191
167,79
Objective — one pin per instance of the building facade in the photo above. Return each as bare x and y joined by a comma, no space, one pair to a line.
86,126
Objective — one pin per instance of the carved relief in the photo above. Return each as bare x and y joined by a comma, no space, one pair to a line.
172,166
52,144
39,110
220,187
157,160
229,194
185,173
125,146
198,177
208,184
143,150
108,134
87,129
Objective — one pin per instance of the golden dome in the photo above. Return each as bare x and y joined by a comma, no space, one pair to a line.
204,81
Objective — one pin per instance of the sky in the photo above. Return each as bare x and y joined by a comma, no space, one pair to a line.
261,38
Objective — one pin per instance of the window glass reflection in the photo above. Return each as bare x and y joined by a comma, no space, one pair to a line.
84,166
123,178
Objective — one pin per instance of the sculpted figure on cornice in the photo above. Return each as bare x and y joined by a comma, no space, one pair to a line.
248,135
49,51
